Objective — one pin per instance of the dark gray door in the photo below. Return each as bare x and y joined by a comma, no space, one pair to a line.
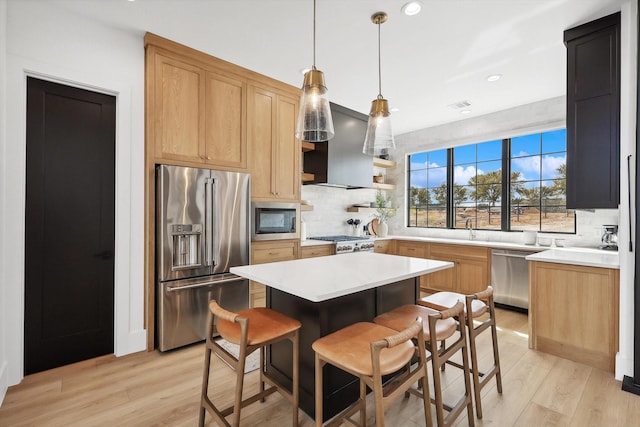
70,225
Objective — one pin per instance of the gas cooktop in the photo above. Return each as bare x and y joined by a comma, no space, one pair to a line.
339,238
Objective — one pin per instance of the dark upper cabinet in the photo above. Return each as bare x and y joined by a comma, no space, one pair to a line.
593,114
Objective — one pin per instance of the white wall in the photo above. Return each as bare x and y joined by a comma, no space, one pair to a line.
45,42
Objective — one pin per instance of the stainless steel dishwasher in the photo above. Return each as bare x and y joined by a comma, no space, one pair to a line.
510,278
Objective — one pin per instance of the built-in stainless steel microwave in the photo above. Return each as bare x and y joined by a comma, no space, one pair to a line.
275,220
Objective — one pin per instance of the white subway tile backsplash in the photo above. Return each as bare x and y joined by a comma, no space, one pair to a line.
329,215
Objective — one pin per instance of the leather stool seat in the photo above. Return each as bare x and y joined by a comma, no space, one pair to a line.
438,325
401,318
448,299
252,329
266,324
350,349
369,351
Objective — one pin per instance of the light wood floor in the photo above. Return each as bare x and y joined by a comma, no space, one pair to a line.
149,389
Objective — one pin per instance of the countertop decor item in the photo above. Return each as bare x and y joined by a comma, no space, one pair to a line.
384,209
529,237
544,241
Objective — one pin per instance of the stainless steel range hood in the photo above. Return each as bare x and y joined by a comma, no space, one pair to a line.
340,162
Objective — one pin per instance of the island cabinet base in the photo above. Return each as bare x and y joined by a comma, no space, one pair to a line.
322,318
573,312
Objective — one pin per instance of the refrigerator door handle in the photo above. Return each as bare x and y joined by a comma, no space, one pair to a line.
214,242
208,233
204,284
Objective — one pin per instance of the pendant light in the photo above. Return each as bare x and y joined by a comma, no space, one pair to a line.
379,137
314,116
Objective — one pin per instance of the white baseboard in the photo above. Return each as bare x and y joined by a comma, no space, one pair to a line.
135,341
3,381
624,366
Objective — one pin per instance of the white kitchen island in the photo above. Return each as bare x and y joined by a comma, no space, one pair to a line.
326,294
321,278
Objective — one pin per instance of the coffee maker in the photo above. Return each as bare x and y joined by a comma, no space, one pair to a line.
609,239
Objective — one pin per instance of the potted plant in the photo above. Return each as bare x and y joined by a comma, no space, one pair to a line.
384,212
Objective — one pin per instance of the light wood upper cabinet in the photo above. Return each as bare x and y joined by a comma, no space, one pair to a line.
179,113
287,155
275,152
226,117
200,115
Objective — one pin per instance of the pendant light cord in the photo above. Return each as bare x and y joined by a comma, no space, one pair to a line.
379,65
314,34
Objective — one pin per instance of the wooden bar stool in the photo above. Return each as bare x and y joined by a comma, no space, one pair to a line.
439,325
251,329
477,304
370,351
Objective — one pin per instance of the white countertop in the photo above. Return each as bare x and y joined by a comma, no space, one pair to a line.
312,242
484,243
578,256
322,278
475,242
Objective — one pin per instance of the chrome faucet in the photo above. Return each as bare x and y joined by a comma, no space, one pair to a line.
469,226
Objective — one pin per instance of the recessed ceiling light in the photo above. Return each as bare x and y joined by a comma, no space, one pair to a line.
412,8
395,109
494,77
465,111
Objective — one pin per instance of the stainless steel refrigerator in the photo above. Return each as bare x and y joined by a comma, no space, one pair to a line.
202,229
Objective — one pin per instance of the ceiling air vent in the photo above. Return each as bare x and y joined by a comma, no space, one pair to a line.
460,105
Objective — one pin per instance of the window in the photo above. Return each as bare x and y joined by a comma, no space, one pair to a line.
428,189
477,180
456,187
538,183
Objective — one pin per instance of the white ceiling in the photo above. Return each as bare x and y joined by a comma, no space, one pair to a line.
429,61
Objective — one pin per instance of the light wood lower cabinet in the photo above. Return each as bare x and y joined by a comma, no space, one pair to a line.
413,249
384,246
269,251
471,271
573,312
317,250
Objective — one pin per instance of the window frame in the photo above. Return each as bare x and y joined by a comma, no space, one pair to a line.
505,198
